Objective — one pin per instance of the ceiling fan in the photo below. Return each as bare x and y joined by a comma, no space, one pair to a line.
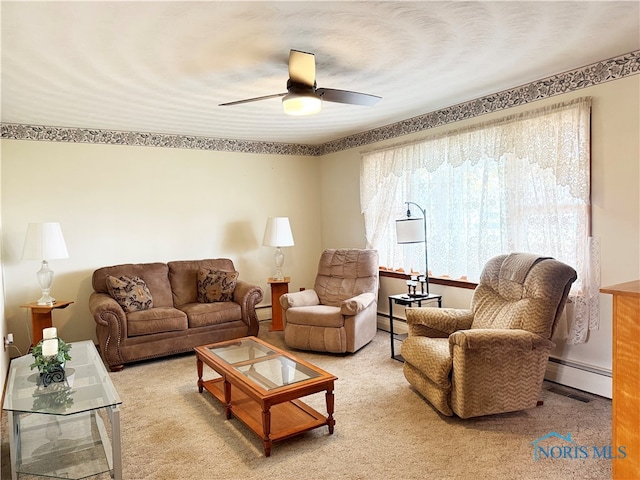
302,96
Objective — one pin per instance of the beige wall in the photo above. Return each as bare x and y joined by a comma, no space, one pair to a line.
120,204
615,199
4,358
342,221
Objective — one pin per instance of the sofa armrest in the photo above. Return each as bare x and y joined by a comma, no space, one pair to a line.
111,326
499,341
437,322
248,296
355,305
107,312
303,298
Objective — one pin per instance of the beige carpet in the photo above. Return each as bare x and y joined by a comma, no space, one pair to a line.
384,430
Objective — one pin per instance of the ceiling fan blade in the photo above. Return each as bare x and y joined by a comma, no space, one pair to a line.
256,99
345,96
302,68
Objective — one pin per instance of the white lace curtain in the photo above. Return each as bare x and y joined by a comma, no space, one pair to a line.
521,183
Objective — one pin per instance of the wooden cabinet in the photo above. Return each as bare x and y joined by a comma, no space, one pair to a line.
626,377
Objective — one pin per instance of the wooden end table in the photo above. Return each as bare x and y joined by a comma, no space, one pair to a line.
261,385
41,318
278,288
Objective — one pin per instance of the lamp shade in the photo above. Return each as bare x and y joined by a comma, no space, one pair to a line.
44,241
410,230
278,233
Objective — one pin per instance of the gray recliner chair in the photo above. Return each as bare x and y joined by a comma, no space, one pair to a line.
339,314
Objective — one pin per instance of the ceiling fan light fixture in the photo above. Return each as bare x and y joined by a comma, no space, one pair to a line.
301,103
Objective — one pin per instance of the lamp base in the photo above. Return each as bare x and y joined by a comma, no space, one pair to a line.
46,299
279,260
45,279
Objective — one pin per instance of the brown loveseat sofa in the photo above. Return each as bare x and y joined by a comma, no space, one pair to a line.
164,309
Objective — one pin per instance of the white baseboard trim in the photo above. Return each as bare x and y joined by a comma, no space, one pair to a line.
585,378
398,326
263,313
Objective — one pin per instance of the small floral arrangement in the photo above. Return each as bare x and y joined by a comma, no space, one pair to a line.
47,364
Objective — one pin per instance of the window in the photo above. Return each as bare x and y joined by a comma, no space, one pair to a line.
521,183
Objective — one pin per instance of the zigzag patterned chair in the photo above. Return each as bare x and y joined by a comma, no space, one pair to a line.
491,358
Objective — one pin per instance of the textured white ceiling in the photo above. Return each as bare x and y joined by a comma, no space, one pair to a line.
164,67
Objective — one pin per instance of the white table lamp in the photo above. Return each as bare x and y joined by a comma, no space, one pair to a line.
44,241
278,234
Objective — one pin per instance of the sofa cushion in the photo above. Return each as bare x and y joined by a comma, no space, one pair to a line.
216,285
155,275
326,316
205,314
183,275
156,320
131,293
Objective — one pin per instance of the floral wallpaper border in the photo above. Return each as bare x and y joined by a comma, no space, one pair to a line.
595,74
115,137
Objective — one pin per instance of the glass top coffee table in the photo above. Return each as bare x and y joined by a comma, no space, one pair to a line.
59,431
261,386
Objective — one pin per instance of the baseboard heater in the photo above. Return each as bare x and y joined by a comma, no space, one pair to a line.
579,376
263,312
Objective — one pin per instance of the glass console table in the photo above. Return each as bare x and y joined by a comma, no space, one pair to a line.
59,431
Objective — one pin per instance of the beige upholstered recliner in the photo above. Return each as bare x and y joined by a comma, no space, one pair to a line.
339,314
492,358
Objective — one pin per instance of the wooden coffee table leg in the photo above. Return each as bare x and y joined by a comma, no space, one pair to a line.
330,421
266,429
199,365
227,398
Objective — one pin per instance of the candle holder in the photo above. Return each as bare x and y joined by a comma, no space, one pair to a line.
411,287
51,367
55,374
422,281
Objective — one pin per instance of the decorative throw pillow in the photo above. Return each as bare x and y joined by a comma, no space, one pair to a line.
130,292
216,285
